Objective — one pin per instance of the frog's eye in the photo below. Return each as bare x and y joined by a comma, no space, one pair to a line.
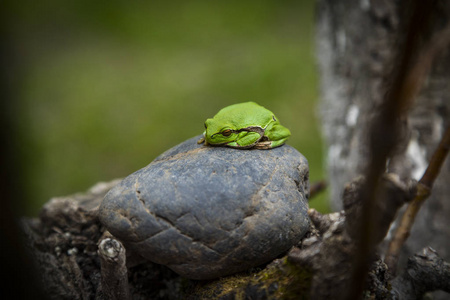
226,132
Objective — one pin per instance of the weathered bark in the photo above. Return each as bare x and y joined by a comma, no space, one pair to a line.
357,42
331,257
64,242
65,238
425,271
113,262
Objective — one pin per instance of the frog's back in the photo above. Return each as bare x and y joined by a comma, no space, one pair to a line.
245,114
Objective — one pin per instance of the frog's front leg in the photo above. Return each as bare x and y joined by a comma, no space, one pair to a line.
245,140
203,139
275,136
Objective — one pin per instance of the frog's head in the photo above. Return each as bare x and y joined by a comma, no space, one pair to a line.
218,133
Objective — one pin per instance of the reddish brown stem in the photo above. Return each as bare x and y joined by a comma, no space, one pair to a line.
316,188
423,191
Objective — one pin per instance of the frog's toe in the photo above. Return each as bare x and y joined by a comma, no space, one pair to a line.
233,144
278,143
264,145
202,140
270,144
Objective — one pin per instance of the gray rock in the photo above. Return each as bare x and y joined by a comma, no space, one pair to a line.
207,212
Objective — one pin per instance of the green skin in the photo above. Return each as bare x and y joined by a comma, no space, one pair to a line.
244,126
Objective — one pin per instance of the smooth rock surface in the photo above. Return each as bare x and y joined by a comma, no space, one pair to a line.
207,212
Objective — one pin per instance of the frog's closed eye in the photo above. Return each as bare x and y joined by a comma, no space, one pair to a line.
226,132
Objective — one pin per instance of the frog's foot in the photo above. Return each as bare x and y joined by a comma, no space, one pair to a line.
246,140
277,135
269,144
278,143
263,145
237,146
202,140
233,145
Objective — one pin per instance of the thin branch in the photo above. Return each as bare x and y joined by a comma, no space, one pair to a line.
436,161
424,189
416,76
316,188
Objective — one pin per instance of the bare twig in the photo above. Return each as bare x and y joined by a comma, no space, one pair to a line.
436,161
423,191
415,78
316,188
114,282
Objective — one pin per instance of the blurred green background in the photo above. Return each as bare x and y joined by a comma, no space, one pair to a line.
105,87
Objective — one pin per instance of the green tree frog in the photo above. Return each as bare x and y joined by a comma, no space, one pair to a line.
244,126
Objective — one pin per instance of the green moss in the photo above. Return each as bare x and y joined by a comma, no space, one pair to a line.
279,280
220,288
292,282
